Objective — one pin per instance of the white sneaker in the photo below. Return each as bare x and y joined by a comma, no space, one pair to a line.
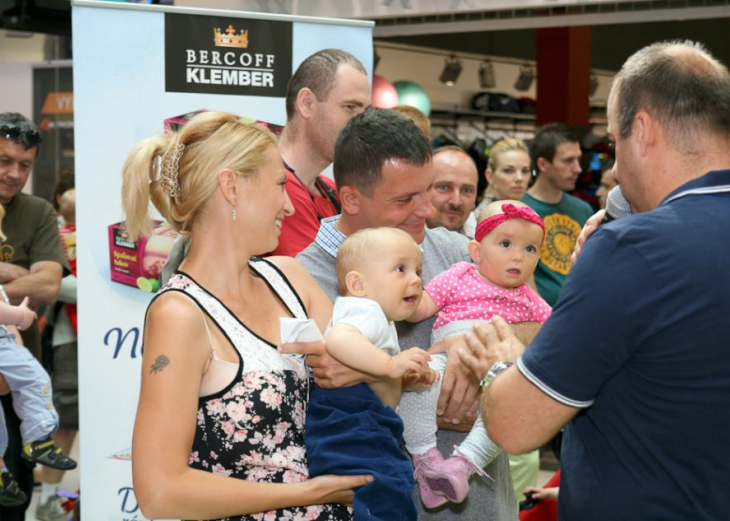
52,510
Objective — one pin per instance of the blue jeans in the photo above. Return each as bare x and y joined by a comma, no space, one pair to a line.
30,387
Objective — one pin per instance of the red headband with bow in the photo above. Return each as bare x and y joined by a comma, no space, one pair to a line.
510,212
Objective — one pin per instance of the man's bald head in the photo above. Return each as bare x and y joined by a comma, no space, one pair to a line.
681,85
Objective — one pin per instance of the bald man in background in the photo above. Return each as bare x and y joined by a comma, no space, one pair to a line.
454,190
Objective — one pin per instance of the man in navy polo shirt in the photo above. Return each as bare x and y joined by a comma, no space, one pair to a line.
646,402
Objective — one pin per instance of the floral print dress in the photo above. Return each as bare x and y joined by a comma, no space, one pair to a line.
253,429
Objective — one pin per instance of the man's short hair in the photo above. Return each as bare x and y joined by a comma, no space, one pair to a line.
681,85
369,140
20,130
456,149
318,73
547,140
418,117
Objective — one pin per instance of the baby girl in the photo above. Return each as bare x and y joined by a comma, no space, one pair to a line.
505,252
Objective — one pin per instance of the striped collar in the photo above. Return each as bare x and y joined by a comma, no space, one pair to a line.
330,238
716,182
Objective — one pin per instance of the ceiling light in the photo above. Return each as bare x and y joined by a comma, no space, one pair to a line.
452,69
525,79
486,75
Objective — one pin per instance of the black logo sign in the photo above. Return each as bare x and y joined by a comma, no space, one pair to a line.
220,55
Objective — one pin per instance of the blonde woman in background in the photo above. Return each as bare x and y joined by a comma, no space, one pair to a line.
220,424
508,172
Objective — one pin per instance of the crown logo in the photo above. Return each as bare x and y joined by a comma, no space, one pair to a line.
230,38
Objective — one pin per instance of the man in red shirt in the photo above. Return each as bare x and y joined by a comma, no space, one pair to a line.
329,87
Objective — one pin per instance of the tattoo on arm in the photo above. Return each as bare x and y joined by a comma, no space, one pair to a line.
160,363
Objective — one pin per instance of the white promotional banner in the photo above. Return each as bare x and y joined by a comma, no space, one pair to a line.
135,67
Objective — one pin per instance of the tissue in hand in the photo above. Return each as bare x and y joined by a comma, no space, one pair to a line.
299,330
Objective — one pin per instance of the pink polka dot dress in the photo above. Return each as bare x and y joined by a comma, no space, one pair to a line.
461,293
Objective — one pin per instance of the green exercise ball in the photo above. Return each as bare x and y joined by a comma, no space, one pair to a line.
412,94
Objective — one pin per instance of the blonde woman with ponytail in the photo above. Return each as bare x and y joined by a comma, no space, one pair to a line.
220,424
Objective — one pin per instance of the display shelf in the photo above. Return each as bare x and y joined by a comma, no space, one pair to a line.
453,115
456,114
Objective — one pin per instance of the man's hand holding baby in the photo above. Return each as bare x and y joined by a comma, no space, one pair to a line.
459,399
490,343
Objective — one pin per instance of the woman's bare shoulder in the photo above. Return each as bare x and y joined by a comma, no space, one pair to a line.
294,271
176,323
173,306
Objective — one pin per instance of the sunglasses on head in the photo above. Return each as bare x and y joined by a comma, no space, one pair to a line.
27,137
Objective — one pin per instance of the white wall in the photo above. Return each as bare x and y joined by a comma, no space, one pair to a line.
19,51
16,93
16,86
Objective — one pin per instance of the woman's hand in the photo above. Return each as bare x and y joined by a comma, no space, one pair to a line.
335,489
